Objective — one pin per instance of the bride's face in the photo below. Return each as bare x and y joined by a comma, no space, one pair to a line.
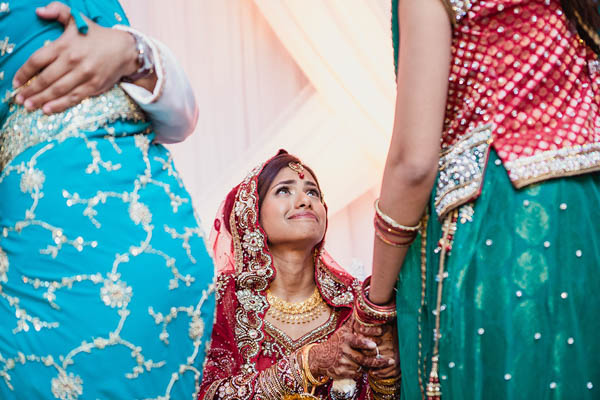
292,211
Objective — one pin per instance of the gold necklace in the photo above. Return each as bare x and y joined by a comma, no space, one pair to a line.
296,313
294,308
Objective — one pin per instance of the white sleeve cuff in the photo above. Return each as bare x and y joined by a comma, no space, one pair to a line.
139,94
171,106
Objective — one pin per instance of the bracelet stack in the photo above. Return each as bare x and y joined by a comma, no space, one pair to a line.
385,389
391,232
302,369
370,314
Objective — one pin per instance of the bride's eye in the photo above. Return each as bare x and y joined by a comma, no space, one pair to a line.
314,193
283,190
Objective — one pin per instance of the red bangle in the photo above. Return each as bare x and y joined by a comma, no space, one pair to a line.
370,313
383,227
406,239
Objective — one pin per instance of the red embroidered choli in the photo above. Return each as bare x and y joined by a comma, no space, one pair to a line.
248,357
523,81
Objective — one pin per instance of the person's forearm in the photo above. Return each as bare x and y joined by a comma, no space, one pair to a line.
406,201
411,165
171,105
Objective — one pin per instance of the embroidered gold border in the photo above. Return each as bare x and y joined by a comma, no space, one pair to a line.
551,164
23,129
292,345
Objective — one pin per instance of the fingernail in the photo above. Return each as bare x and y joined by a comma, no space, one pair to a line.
16,83
391,362
370,344
28,104
47,109
19,99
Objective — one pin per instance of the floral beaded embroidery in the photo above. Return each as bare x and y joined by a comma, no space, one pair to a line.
23,130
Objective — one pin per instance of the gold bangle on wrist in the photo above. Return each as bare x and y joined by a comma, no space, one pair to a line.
307,373
391,243
392,223
385,381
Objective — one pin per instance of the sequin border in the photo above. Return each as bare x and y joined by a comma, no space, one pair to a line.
457,9
461,170
559,163
23,129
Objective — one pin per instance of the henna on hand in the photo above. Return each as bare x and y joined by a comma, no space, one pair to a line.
326,359
372,332
389,350
343,355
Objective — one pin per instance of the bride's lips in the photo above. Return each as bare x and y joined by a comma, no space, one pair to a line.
303,215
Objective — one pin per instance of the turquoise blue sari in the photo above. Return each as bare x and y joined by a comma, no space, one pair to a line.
105,283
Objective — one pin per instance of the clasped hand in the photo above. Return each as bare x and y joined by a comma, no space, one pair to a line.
354,349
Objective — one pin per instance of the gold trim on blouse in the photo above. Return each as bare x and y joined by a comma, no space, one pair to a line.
23,129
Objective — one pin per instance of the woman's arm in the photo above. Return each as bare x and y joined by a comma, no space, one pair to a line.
411,165
77,66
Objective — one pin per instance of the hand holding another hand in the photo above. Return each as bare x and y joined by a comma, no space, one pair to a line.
345,355
387,348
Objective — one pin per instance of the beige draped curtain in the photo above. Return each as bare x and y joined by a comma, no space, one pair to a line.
312,76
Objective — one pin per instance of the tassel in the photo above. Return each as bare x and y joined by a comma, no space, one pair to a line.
434,389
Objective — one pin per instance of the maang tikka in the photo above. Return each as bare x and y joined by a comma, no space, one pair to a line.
298,168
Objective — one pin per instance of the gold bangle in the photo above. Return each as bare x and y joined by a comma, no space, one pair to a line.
384,228
384,381
378,390
307,373
394,244
389,220
382,389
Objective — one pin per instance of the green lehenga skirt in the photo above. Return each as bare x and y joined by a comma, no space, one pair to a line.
520,304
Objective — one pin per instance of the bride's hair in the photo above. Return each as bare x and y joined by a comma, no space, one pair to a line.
585,16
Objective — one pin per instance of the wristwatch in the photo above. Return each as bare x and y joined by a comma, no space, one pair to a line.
145,59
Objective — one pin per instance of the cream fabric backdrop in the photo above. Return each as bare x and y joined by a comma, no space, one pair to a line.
312,76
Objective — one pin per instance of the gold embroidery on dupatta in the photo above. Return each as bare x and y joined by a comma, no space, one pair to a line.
253,271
